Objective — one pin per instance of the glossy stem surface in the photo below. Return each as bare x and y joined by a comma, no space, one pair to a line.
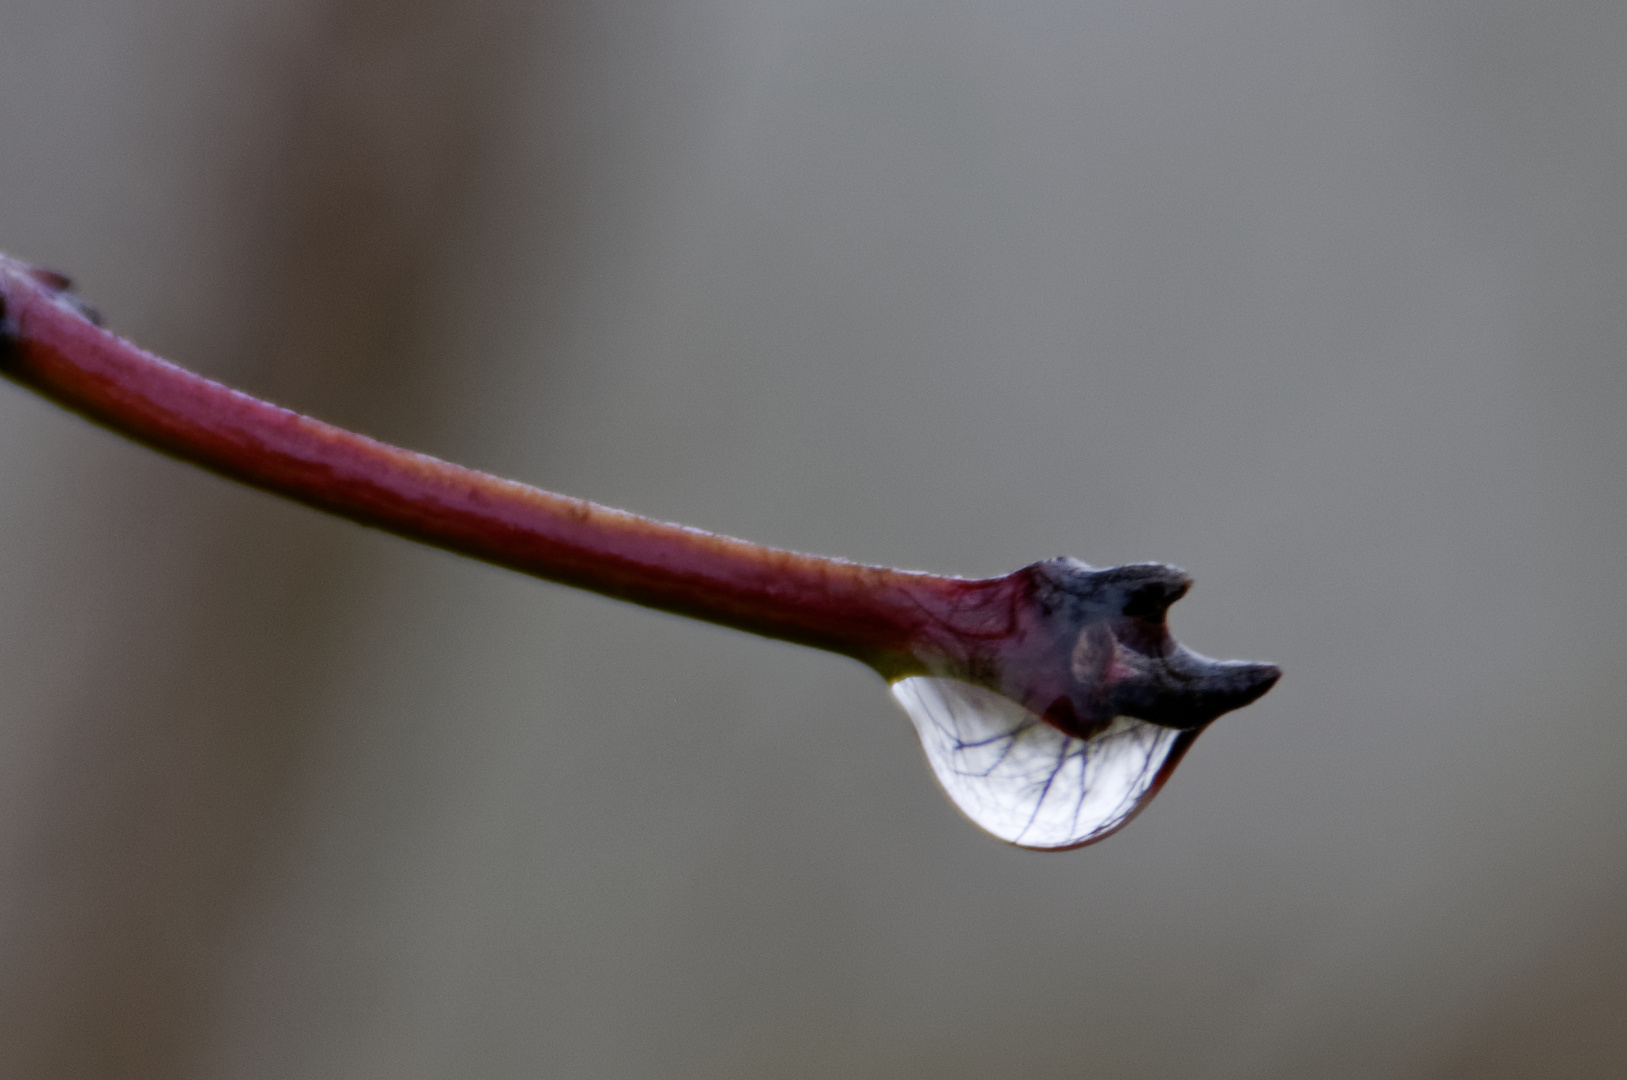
52,344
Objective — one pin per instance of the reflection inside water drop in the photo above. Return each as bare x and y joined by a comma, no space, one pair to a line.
1027,782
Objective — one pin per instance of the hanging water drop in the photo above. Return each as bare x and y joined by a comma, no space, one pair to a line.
1027,782
1052,701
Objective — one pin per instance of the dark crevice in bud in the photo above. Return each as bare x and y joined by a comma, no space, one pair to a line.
1152,601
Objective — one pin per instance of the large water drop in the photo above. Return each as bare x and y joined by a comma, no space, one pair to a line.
1027,782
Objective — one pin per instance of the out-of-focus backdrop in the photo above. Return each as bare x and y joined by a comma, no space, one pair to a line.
1325,302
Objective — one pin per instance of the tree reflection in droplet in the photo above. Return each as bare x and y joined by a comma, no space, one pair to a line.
1027,782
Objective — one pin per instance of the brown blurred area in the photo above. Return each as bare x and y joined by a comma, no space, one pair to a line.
167,764
1323,304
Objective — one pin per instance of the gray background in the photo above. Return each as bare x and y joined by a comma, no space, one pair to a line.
1324,301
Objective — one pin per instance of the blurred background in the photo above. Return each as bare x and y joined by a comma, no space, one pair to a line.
1325,302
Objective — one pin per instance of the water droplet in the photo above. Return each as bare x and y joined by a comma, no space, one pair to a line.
1027,782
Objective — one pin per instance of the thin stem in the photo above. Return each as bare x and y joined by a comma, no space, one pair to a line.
51,344
1073,645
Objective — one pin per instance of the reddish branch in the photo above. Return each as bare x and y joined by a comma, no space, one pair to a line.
1022,635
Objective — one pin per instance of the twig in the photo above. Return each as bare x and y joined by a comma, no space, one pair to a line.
1074,646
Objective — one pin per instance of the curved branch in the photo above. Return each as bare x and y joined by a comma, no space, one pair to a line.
1052,702
50,343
